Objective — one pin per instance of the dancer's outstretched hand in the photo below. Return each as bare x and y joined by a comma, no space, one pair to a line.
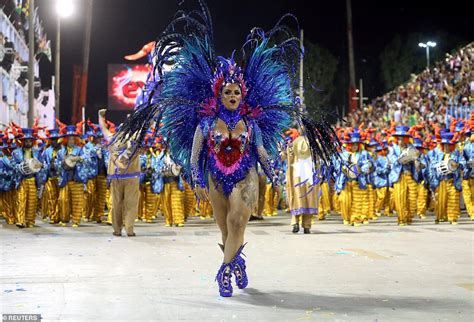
202,193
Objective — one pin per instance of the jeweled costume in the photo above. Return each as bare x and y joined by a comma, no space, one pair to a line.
190,108
26,185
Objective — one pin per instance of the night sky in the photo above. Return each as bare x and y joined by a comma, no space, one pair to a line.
122,27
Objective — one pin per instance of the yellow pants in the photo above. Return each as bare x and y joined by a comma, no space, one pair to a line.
422,200
141,203
336,203
8,203
270,207
71,202
189,201
205,209
89,196
173,204
371,198
26,202
351,200
382,201
447,201
468,196
50,200
404,194
325,201
391,202
100,197
149,203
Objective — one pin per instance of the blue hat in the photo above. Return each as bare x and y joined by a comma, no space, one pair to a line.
459,127
27,133
417,143
447,137
381,147
4,144
401,130
70,131
88,134
372,143
53,134
355,137
98,133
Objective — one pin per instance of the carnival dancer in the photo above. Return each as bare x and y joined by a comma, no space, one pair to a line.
172,200
380,179
325,200
99,174
352,180
445,178
27,163
51,186
123,173
152,185
73,171
402,156
92,171
302,184
7,183
420,176
468,171
221,119
371,198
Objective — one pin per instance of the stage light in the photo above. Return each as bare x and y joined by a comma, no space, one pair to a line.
64,8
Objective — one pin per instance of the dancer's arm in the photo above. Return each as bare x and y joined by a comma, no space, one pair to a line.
196,171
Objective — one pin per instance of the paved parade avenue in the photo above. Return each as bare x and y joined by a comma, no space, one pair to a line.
378,272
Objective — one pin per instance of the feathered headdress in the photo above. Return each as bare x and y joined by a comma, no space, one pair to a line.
189,93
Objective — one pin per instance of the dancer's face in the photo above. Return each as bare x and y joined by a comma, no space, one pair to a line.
231,96
28,143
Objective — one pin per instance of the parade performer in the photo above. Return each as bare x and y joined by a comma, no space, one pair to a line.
151,181
51,186
370,147
421,178
351,184
301,184
221,119
468,171
100,173
6,183
445,178
380,179
72,165
325,200
123,173
27,163
402,156
172,200
92,171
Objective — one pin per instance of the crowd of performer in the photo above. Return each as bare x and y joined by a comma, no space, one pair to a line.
61,176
